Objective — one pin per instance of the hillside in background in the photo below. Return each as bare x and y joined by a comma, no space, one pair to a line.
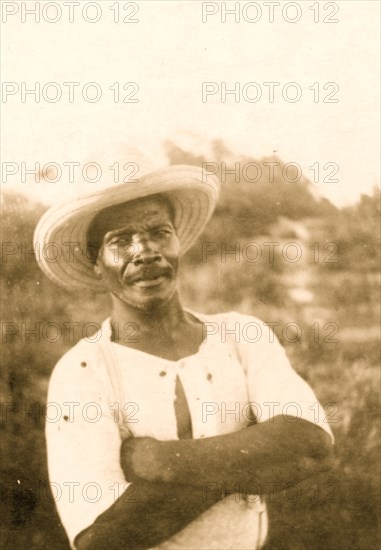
321,282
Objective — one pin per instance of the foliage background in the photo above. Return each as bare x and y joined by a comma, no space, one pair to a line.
340,510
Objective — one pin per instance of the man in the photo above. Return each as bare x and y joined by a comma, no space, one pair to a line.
145,458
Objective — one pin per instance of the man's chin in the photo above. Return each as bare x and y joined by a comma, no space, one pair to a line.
146,299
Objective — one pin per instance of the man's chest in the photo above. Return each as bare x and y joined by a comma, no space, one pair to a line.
200,396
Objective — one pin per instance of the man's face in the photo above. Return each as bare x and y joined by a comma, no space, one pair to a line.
138,258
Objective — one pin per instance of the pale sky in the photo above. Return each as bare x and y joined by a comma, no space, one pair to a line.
169,53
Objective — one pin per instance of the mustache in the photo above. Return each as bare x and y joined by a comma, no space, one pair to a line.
148,273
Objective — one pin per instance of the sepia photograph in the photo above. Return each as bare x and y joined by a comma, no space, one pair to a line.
190,275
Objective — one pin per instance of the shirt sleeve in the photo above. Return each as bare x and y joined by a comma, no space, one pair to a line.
83,442
273,385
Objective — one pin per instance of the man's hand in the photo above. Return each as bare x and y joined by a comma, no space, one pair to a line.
144,458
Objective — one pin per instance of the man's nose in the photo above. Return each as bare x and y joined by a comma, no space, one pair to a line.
146,259
145,251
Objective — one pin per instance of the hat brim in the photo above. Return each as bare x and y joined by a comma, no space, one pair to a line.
60,238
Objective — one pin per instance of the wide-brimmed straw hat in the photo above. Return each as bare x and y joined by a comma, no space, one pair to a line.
61,234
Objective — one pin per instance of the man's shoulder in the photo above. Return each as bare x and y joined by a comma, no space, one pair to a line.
80,375
249,334
85,355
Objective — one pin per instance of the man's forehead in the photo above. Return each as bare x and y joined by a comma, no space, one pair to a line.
146,209
139,210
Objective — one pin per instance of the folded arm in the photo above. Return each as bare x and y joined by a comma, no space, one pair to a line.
275,451
145,515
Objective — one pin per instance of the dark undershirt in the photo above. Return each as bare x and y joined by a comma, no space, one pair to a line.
183,418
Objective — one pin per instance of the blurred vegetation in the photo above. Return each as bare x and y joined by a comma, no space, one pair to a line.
331,296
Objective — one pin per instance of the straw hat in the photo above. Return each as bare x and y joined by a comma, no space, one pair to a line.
61,234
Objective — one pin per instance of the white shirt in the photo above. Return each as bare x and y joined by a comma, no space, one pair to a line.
239,370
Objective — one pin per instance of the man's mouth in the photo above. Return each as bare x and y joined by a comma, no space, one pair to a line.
149,278
145,283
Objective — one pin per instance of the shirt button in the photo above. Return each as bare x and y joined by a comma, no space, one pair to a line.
162,373
83,364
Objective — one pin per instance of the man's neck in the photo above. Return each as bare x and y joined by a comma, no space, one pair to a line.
164,317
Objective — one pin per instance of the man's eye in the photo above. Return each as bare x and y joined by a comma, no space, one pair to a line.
120,241
162,232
